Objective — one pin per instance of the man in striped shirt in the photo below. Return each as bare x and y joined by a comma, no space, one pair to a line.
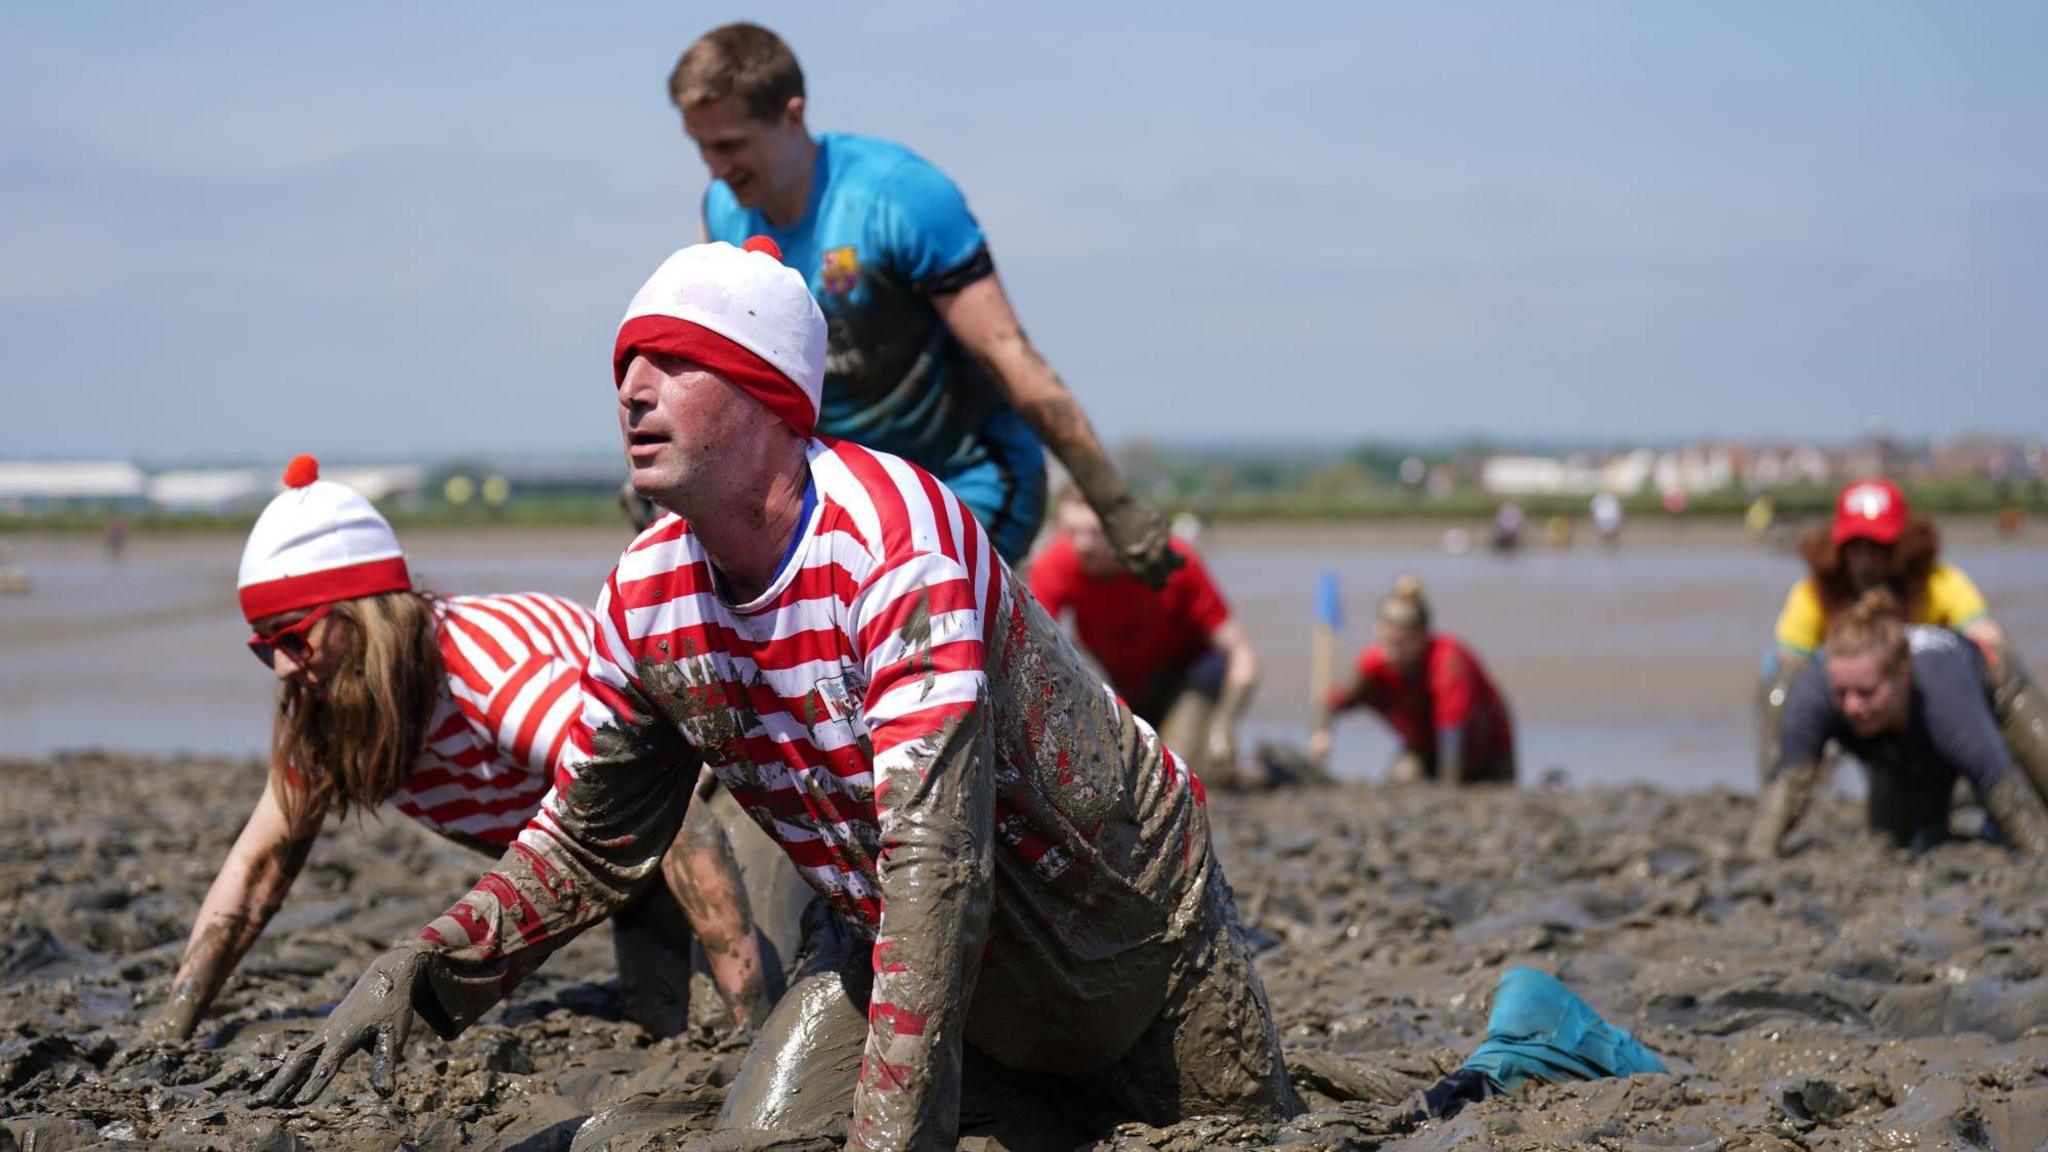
825,627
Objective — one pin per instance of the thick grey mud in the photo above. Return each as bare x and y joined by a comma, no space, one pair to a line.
1848,997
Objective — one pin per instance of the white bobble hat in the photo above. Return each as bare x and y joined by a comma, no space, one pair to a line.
739,312
318,542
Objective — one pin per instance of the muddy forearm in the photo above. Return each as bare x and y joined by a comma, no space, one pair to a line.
251,886
598,839
1774,691
937,880
2018,813
1784,801
1049,407
705,878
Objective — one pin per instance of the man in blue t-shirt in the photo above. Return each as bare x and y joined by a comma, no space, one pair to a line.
925,357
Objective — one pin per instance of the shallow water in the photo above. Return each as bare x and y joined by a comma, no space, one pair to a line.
1632,665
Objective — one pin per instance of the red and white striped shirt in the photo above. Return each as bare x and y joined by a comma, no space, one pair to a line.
501,727
931,752
810,693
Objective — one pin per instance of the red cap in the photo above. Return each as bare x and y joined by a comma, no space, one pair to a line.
1870,510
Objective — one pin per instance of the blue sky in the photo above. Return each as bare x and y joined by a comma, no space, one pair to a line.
374,231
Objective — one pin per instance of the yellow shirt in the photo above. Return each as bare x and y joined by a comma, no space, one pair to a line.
1951,602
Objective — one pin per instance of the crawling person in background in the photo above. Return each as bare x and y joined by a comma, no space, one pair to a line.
456,711
1875,542
1022,872
1910,703
926,357
1177,655
1452,722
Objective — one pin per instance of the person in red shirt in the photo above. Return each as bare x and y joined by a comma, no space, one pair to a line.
1176,655
1432,690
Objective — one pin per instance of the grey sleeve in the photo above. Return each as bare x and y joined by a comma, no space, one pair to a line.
1810,719
1960,725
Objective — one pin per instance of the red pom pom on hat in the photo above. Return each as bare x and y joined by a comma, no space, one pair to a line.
763,244
303,470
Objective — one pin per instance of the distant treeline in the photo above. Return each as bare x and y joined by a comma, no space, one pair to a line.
1229,483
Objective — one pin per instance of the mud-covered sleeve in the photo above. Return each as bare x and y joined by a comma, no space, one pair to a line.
920,639
1960,724
620,794
1810,719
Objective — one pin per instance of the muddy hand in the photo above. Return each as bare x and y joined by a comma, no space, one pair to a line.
1140,535
376,1014
181,1016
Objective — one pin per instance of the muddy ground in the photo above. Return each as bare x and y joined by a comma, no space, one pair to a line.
1849,997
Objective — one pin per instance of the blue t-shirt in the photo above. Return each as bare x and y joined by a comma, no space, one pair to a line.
884,233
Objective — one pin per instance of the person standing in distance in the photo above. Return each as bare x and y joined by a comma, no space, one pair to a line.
926,358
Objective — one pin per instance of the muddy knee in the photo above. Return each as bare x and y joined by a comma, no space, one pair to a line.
1214,1047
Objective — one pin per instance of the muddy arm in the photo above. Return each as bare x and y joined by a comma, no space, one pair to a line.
598,837
1784,801
704,876
928,717
1808,720
981,318
259,871
1782,667
1966,733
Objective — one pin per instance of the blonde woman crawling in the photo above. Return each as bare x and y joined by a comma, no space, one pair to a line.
1913,704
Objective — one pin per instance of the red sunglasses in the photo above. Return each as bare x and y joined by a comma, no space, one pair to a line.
290,639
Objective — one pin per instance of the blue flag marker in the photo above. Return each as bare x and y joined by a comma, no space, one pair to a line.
1329,600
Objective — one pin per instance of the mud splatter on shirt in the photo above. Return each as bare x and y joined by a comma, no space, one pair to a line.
937,760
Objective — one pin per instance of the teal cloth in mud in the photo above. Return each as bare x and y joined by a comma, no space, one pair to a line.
1540,1030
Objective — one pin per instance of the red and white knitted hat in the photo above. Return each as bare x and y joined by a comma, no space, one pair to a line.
739,312
317,542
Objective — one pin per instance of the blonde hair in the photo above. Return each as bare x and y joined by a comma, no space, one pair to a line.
1404,607
1872,624
358,744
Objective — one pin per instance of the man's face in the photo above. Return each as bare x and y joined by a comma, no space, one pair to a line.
1871,696
678,420
1864,563
1400,644
754,157
1083,529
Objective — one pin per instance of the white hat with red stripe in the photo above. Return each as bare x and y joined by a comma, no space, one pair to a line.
739,312
318,542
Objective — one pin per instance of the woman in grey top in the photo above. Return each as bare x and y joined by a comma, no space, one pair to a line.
1911,704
